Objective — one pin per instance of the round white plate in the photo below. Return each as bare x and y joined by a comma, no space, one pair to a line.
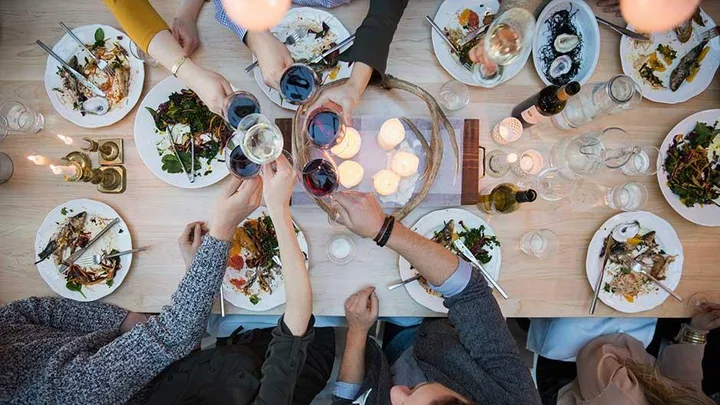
708,215
629,53
66,47
665,236
267,301
587,28
147,138
117,238
446,16
427,226
282,31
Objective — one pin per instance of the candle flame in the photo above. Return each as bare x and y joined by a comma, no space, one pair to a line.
38,160
512,157
66,139
55,169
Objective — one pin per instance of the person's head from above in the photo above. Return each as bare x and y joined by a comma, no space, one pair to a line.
660,390
427,394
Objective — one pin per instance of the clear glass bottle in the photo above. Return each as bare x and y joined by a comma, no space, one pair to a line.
504,198
596,100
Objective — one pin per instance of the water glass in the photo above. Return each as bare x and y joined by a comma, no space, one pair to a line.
642,163
551,185
497,162
630,196
141,55
6,168
17,117
454,95
542,243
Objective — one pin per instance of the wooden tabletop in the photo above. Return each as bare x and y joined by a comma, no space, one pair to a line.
157,213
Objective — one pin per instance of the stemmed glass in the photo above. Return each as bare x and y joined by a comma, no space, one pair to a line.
256,141
299,83
325,126
508,39
319,176
238,105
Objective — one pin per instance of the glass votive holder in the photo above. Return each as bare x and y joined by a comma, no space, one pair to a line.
529,163
341,249
506,131
6,167
497,162
542,243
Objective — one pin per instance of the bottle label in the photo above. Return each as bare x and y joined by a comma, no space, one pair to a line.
532,115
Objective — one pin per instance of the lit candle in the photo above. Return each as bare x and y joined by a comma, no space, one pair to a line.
70,171
506,131
391,134
531,162
526,163
66,139
386,182
512,157
405,163
39,160
350,145
351,173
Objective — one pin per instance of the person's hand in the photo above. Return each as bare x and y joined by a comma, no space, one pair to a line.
184,29
190,241
237,200
273,56
278,181
211,87
132,319
360,212
361,310
708,318
477,55
610,6
347,95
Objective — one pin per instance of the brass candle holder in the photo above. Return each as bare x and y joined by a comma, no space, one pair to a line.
110,151
109,179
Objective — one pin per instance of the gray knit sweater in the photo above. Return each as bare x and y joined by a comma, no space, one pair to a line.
58,351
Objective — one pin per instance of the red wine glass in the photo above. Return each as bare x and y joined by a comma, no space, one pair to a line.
239,105
319,177
299,84
324,126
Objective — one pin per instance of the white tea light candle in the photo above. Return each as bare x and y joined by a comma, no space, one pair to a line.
506,131
405,163
351,173
70,171
349,146
391,134
386,182
530,163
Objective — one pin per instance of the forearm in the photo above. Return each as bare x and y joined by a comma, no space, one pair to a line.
430,259
360,77
298,292
64,314
190,9
138,19
352,368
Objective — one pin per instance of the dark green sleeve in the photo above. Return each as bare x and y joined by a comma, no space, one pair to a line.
373,37
284,361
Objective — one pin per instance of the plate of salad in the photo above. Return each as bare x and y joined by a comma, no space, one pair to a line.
444,227
689,168
170,118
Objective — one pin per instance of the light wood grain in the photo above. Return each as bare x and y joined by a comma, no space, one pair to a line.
157,212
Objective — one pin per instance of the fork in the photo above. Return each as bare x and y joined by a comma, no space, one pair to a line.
710,34
293,37
467,65
103,65
640,268
97,259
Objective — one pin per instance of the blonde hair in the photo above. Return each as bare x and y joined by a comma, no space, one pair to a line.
660,390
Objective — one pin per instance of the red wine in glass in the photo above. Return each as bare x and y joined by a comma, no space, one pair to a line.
240,165
320,178
325,129
239,105
298,84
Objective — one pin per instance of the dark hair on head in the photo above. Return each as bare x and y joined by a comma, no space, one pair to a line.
450,400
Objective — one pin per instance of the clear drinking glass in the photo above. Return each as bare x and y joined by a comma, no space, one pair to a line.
299,84
141,55
596,100
642,163
542,243
454,95
17,117
6,168
238,105
586,154
630,196
508,39
497,162
262,141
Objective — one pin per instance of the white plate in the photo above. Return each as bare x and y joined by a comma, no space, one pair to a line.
665,236
446,16
66,48
587,28
628,54
117,238
147,137
427,226
282,31
267,301
708,215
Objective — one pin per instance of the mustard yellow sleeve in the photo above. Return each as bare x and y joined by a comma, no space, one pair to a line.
138,19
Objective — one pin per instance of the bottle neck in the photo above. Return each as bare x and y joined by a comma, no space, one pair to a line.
525,196
562,94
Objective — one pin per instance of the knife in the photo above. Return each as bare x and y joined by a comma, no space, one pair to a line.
622,30
460,246
473,34
442,34
342,43
177,156
403,282
593,304
82,79
73,258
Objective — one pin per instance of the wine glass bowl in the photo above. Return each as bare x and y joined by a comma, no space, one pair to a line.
238,105
324,126
298,84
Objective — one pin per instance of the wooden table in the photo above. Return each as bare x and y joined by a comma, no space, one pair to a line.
156,212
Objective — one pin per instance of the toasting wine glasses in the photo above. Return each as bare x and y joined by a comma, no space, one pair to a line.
324,126
508,39
256,141
318,175
299,84
238,105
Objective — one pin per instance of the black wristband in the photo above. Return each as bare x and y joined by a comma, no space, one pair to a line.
388,232
383,229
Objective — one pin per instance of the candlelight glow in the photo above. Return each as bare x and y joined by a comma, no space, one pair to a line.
68,171
386,182
391,134
351,173
39,160
512,157
66,139
405,163
349,146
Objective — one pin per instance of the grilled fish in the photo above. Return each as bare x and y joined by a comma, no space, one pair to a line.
682,71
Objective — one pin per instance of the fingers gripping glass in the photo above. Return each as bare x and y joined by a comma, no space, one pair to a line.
239,105
325,126
320,177
256,141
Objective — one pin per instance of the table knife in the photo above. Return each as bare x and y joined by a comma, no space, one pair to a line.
622,30
82,79
460,246
593,304
403,282
340,44
442,34
70,260
473,34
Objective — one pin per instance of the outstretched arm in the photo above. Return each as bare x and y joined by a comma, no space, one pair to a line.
63,314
